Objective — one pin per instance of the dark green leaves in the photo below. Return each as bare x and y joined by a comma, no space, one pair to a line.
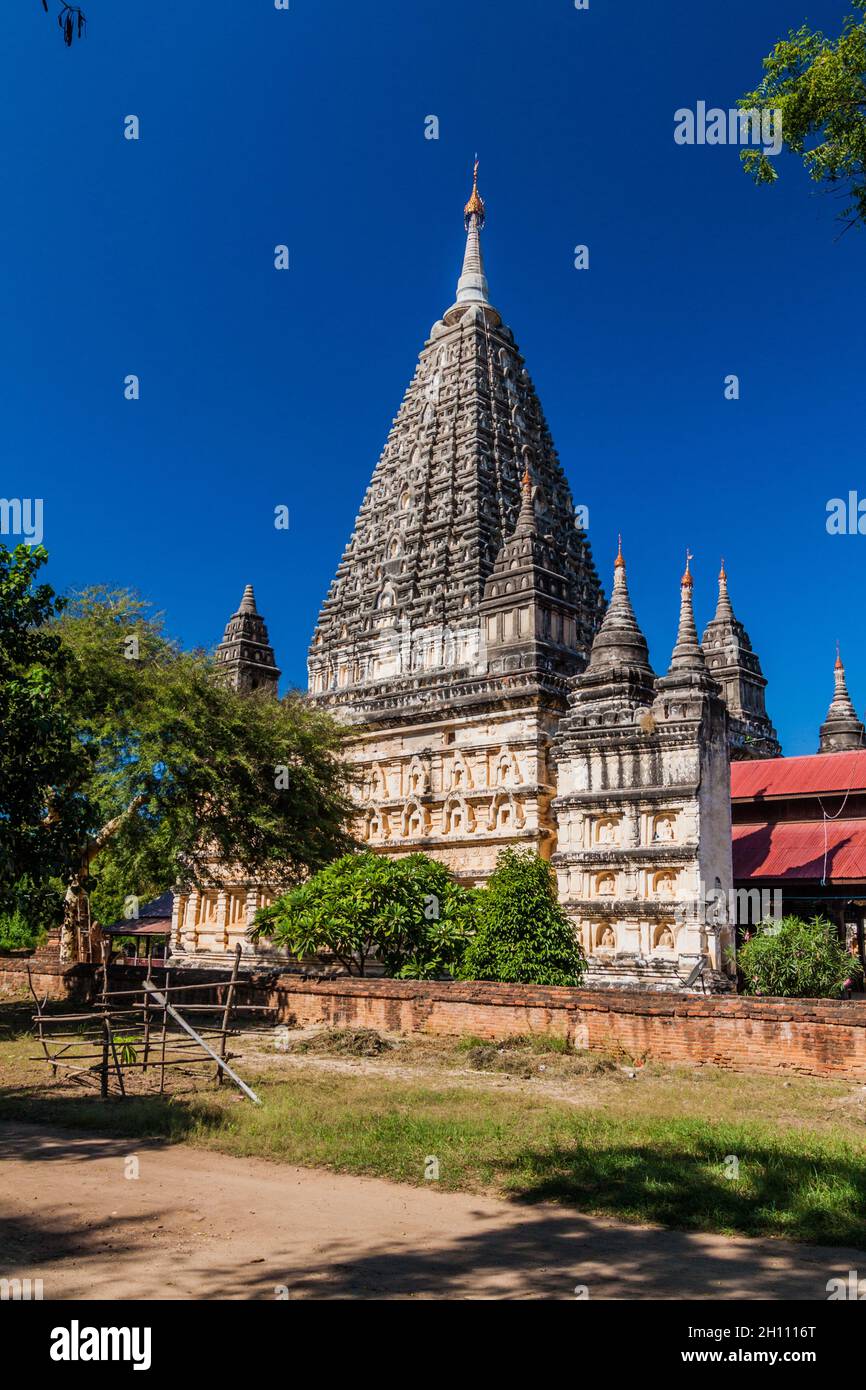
819,86
523,937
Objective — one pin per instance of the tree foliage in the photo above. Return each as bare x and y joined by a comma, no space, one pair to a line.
819,86
409,913
796,959
192,781
44,809
523,935
128,765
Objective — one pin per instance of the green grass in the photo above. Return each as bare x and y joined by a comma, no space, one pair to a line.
660,1168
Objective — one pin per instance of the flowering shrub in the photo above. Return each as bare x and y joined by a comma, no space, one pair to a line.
796,959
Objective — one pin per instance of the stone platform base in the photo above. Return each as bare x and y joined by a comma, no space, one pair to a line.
657,976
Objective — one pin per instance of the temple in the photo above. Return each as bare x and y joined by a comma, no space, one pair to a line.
493,698
465,599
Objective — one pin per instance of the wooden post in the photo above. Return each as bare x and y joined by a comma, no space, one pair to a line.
230,994
106,1027
147,1018
164,1029
103,1070
39,1008
117,1066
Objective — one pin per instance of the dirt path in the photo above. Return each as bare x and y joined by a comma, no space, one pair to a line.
197,1225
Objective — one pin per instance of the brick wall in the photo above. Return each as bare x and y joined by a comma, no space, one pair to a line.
50,979
813,1037
808,1036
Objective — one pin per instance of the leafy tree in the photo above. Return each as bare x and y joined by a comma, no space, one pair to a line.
44,809
190,780
796,959
819,86
523,936
408,913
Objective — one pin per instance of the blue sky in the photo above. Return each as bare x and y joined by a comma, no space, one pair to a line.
261,388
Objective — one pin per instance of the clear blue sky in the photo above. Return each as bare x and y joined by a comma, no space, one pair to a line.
261,127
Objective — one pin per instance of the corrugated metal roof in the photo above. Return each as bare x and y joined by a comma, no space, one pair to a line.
808,776
796,850
153,919
154,926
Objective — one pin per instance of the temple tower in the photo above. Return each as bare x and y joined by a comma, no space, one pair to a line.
245,653
643,809
735,665
841,731
464,599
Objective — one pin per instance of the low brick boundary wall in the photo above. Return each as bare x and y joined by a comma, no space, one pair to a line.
812,1037
50,979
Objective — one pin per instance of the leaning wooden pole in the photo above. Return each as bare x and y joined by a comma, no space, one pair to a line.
178,1018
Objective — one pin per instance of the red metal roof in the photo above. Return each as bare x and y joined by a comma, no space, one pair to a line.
808,776
796,849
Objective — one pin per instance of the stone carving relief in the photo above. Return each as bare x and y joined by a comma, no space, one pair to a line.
664,884
415,821
461,776
419,778
506,771
607,830
663,828
605,885
663,938
458,817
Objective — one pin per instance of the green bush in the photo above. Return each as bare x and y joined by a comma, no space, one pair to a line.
409,913
796,959
17,933
523,936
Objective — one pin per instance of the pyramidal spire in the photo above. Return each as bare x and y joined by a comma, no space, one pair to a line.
736,668
687,654
724,611
619,641
441,509
245,655
248,602
841,730
472,286
526,520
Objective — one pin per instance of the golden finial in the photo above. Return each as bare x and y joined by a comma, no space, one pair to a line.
475,206
526,480
619,562
839,666
723,573
687,580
